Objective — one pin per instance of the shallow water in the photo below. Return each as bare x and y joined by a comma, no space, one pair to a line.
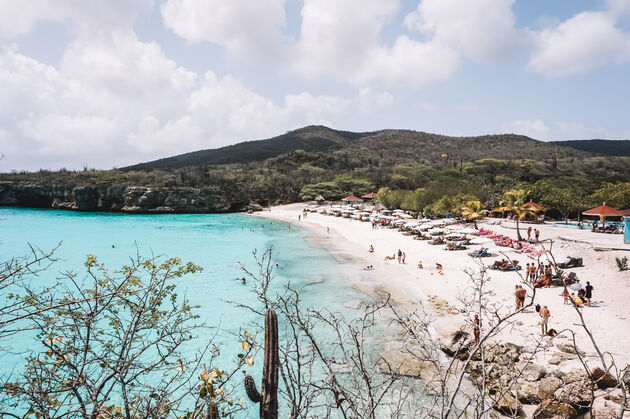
217,242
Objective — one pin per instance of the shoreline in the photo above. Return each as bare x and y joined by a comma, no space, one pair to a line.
437,294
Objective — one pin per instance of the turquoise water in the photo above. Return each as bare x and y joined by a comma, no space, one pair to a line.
217,242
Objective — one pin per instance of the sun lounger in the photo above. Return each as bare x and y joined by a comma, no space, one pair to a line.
536,254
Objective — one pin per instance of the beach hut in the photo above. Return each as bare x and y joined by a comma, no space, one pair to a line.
603,211
369,197
349,200
320,199
533,205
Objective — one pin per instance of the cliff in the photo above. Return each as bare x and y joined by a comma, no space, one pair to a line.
129,199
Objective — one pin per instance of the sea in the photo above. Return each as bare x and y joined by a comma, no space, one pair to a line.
218,243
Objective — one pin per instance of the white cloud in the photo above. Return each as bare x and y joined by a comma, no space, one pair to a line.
246,28
480,30
586,41
536,128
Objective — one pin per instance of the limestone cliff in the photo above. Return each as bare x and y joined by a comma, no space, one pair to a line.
130,199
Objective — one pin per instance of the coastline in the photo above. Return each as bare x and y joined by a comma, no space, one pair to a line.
410,287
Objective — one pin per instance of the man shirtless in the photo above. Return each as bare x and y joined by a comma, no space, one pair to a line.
544,319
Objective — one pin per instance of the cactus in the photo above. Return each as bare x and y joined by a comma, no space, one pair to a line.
268,396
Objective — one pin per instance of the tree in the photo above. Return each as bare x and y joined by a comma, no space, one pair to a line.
119,349
513,201
473,210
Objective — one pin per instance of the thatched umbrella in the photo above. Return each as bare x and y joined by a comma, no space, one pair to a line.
320,199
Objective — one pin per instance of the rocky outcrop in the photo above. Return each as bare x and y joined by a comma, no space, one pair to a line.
130,199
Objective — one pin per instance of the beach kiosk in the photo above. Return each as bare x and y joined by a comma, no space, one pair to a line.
349,200
603,211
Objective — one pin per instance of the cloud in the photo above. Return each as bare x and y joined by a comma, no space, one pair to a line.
584,42
245,28
480,30
536,128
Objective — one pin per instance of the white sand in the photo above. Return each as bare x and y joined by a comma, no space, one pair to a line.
349,240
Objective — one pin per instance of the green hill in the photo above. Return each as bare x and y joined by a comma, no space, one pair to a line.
604,147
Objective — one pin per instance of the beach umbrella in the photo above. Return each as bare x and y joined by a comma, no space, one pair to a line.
604,211
405,216
576,287
454,228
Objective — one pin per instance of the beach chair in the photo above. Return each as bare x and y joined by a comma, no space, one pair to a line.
536,254
525,249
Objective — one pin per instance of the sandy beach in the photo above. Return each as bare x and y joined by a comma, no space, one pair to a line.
609,319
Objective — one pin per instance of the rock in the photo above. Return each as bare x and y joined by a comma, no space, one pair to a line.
554,410
508,405
555,360
605,409
548,386
533,372
527,393
576,390
569,349
603,380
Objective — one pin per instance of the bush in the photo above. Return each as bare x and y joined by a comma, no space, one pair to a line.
622,263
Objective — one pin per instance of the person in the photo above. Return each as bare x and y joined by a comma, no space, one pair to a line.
476,329
522,293
589,293
404,257
327,230
438,266
419,264
544,319
576,300
527,269
537,235
565,295
580,225
299,217
529,233
532,273
369,268
541,270
516,295
371,249
399,255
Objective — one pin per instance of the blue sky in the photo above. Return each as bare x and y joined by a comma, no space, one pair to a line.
109,83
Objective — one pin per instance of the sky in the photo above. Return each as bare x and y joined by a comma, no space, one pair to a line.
109,83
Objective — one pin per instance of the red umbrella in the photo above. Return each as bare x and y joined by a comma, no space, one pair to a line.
604,211
352,198
371,195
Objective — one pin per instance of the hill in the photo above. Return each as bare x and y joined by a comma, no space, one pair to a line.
422,172
393,146
604,147
312,138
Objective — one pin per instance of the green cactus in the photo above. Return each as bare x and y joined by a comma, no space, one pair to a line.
268,396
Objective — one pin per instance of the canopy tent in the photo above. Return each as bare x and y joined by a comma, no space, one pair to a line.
604,211
532,204
351,200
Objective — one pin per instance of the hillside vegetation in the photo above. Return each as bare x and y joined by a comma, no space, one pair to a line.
302,164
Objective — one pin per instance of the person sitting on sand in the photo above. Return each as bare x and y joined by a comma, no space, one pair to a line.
438,266
388,258
576,300
420,264
371,249
369,268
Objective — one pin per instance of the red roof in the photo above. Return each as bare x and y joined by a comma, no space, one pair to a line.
532,204
371,195
625,212
352,198
604,210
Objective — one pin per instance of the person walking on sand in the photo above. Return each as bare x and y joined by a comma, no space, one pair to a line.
522,293
537,235
399,255
589,293
544,319
529,233
516,295
404,257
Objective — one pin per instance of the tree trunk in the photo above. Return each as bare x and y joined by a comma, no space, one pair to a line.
518,232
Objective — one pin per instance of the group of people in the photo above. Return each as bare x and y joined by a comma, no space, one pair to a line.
536,234
584,294
402,256
539,276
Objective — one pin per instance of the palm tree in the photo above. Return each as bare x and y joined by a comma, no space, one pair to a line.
513,201
473,210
